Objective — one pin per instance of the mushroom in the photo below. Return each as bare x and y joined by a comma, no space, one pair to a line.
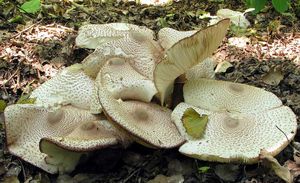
148,124
68,127
185,54
94,35
69,86
137,45
169,37
242,120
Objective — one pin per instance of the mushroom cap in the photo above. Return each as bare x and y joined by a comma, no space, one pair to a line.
187,53
149,124
238,137
242,120
93,35
27,124
124,82
236,17
69,86
204,69
227,96
140,50
167,37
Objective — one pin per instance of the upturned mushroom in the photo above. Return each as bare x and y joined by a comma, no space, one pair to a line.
68,127
185,54
242,120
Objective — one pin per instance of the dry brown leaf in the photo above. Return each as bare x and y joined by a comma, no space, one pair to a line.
293,167
269,161
273,77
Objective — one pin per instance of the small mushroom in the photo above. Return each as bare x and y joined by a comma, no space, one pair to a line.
69,86
185,54
27,124
242,120
147,123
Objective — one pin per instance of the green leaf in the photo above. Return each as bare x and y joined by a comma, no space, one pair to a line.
281,5
2,105
193,123
16,19
203,169
257,4
24,99
31,6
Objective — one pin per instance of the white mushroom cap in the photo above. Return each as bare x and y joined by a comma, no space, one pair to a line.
205,69
242,120
167,37
140,51
227,96
147,123
70,86
124,82
27,124
93,35
187,53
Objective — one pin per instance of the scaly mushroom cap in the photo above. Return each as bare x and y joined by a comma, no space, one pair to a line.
205,69
149,124
27,124
187,53
138,47
70,86
242,120
227,96
94,35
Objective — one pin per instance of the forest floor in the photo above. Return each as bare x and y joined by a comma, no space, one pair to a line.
35,47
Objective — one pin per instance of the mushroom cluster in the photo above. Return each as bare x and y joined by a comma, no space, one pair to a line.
108,100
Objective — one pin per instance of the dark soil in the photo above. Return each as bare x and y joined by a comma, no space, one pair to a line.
26,62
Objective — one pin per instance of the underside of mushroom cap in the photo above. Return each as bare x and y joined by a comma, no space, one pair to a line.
167,37
64,151
228,96
149,124
185,54
94,35
69,86
27,124
139,50
238,137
